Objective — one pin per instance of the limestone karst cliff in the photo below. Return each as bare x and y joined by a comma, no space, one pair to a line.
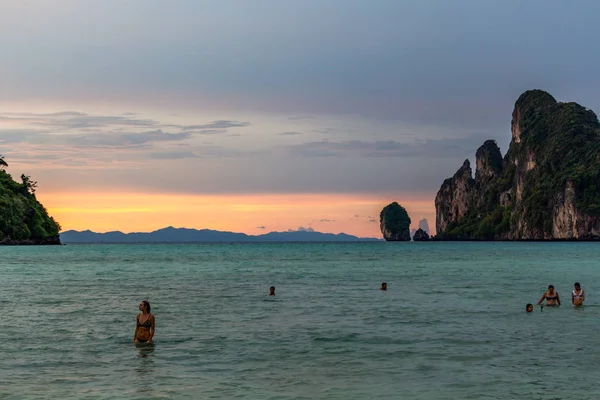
420,236
547,185
394,223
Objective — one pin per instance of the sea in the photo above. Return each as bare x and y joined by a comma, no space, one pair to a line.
452,324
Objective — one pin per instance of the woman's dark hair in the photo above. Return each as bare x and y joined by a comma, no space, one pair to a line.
146,304
550,287
528,305
577,284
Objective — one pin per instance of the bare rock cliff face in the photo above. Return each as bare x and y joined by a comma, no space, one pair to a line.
454,197
546,187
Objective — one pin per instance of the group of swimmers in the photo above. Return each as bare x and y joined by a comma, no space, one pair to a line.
145,325
553,300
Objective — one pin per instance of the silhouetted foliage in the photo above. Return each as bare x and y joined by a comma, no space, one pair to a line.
22,217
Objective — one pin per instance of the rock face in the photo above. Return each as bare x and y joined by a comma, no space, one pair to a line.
394,223
546,187
454,198
420,236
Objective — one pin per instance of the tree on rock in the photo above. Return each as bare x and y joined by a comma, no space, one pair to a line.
394,223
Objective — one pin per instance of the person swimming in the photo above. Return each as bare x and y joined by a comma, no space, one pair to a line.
272,291
551,297
144,324
577,296
529,307
383,286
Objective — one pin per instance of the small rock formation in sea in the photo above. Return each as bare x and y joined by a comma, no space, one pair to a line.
394,223
421,236
546,187
23,220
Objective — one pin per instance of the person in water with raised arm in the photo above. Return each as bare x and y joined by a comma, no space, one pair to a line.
577,296
144,324
551,297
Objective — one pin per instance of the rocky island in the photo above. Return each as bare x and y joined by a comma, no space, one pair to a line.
23,220
394,223
546,187
420,236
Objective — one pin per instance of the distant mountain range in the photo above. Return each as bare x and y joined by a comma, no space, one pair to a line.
184,235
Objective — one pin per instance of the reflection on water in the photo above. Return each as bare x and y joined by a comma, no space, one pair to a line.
145,367
145,350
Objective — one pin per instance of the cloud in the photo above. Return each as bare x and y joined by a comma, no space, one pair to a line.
222,124
372,220
171,155
86,123
9,136
289,133
209,131
301,118
383,148
41,157
327,220
302,229
77,130
261,227
325,131
69,120
208,151
123,140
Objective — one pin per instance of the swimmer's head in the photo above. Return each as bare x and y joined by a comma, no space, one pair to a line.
529,307
383,286
577,285
272,290
145,306
551,288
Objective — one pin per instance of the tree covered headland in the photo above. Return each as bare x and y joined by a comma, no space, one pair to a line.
23,219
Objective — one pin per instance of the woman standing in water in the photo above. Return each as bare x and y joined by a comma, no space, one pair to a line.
144,324
577,296
551,297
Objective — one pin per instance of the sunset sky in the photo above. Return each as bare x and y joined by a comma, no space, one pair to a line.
271,115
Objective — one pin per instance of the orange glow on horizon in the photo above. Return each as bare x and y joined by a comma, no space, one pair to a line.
252,214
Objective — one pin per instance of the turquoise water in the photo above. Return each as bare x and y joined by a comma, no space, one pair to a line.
451,325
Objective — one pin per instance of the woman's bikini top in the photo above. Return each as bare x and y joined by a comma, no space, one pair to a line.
146,323
552,298
578,295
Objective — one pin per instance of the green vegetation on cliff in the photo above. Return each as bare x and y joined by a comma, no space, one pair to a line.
394,223
22,218
565,137
549,180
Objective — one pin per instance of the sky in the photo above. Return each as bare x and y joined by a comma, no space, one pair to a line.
271,115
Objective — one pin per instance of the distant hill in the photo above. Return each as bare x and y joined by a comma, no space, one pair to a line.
184,235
